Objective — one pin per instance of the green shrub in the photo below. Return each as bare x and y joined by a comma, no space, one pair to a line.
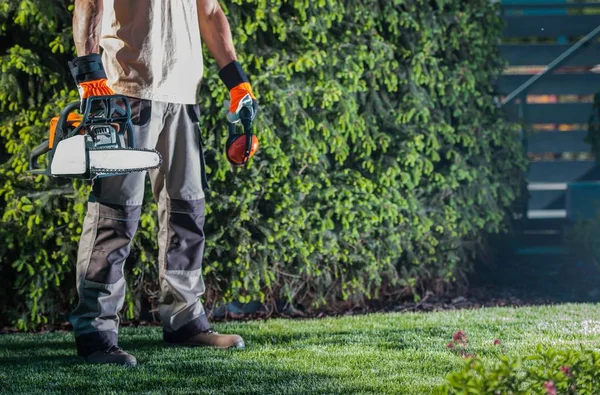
384,159
549,371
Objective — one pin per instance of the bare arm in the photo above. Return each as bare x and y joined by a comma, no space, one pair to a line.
87,19
215,31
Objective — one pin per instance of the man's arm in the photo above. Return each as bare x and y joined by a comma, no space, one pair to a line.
87,69
215,32
87,19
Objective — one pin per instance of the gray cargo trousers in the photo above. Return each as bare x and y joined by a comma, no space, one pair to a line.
111,221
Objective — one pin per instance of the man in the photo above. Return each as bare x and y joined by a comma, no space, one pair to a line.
151,53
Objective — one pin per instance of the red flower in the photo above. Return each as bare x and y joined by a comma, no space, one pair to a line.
550,388
450,345
459,337
497,342
566,370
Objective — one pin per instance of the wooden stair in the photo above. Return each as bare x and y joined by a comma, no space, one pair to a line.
563,176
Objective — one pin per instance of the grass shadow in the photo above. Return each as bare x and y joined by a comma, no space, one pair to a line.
51,365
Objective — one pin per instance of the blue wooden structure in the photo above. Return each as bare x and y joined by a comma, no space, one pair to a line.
563,177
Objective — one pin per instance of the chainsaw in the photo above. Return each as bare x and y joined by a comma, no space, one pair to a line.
98,143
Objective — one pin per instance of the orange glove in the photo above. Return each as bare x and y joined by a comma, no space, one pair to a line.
95,88
240,91
90,77
241,96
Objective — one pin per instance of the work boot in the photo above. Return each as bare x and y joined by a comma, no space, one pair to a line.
112,355
211,338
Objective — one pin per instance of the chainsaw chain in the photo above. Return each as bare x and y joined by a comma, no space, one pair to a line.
98,170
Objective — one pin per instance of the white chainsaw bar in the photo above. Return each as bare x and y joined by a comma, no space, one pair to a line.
73,158
117,160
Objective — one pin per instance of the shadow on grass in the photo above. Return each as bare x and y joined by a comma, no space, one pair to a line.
314,360
51,365
151,343
33,352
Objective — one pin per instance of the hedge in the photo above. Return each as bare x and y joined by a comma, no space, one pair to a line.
384,159
547,371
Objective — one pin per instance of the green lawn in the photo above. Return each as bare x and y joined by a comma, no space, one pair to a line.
379,353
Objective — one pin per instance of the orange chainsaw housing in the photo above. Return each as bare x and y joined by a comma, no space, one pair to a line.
73,121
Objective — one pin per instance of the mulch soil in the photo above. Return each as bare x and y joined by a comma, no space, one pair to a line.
473,299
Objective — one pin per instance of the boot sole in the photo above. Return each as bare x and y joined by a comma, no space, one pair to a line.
125,364
236,346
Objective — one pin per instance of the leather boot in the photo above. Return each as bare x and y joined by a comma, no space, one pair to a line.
212,339
112,355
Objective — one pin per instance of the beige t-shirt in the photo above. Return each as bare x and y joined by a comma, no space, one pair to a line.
152,49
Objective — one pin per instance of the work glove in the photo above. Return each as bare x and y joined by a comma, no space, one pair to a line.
241,96
90,78
243,108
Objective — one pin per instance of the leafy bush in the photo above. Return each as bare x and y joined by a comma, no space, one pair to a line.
384,159
548,372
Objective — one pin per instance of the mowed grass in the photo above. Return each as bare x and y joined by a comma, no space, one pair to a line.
400,353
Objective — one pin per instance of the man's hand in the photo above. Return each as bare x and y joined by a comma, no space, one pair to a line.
241,96
90,77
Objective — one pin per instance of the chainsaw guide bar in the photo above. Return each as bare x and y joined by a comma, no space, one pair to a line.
112,156
98,142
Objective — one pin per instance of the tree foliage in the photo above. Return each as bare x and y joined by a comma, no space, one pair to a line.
384,159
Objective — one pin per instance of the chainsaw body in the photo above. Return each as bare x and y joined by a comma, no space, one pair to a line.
98,143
